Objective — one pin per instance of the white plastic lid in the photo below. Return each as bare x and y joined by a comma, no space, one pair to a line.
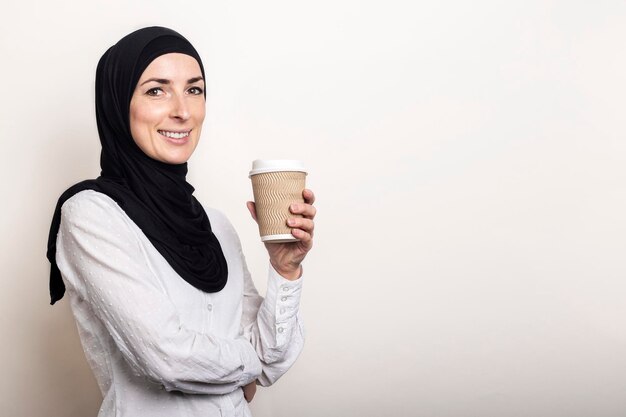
261,166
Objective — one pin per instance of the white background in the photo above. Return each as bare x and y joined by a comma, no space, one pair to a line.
469,160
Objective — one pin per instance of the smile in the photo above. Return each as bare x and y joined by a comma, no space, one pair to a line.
174,135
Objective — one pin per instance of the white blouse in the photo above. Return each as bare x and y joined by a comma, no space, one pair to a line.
158,346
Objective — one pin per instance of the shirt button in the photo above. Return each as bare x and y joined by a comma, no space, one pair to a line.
209,307
285,288
280,330
283,299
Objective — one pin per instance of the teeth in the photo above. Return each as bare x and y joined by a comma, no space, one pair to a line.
174,135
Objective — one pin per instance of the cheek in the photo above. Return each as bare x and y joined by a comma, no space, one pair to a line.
141,117
135,118
143,120
199,116
200,112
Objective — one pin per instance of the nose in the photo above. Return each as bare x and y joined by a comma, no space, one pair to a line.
179,109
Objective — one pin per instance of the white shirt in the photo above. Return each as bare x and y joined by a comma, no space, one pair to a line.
158,346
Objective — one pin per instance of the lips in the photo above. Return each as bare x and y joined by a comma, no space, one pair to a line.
175,137
172,134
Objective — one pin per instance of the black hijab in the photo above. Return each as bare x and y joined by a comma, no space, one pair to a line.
155,195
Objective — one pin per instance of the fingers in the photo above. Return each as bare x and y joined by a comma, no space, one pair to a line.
305,210
302,228
303,224
303,237
252,209
308,195
249,391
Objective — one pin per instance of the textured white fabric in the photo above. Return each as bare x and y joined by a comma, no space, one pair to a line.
158,346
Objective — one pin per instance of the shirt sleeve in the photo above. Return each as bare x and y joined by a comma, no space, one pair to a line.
102,259
273,324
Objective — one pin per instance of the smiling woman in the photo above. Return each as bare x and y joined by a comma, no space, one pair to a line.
168,107
158,285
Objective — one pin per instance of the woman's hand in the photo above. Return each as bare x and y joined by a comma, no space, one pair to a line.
249,391
287,257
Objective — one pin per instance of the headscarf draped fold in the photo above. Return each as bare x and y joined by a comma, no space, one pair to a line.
155,195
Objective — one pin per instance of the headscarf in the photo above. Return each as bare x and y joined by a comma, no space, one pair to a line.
155,195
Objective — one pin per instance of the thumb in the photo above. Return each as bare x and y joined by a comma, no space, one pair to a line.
252,209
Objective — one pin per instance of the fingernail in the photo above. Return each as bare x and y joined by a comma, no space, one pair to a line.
291,222
294,207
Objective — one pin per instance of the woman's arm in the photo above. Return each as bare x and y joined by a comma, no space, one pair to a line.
273,324
102,260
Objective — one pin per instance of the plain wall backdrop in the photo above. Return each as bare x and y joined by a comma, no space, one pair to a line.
469,160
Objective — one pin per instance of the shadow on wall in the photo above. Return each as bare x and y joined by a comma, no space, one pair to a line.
74,390
75,154
70,387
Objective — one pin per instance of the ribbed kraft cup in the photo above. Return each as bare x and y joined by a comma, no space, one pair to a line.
274,192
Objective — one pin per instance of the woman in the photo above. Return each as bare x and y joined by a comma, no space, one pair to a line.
164,303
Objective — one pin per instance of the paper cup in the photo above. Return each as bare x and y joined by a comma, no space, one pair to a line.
276,184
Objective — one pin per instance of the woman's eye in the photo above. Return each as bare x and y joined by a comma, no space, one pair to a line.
196,90
154,91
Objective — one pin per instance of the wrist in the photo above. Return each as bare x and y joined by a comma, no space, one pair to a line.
290,273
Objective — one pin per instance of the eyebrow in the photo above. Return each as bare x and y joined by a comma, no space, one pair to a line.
166,81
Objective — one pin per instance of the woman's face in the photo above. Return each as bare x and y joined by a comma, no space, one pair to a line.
167,108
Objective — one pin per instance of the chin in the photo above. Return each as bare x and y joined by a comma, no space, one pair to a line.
177,155
176,160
